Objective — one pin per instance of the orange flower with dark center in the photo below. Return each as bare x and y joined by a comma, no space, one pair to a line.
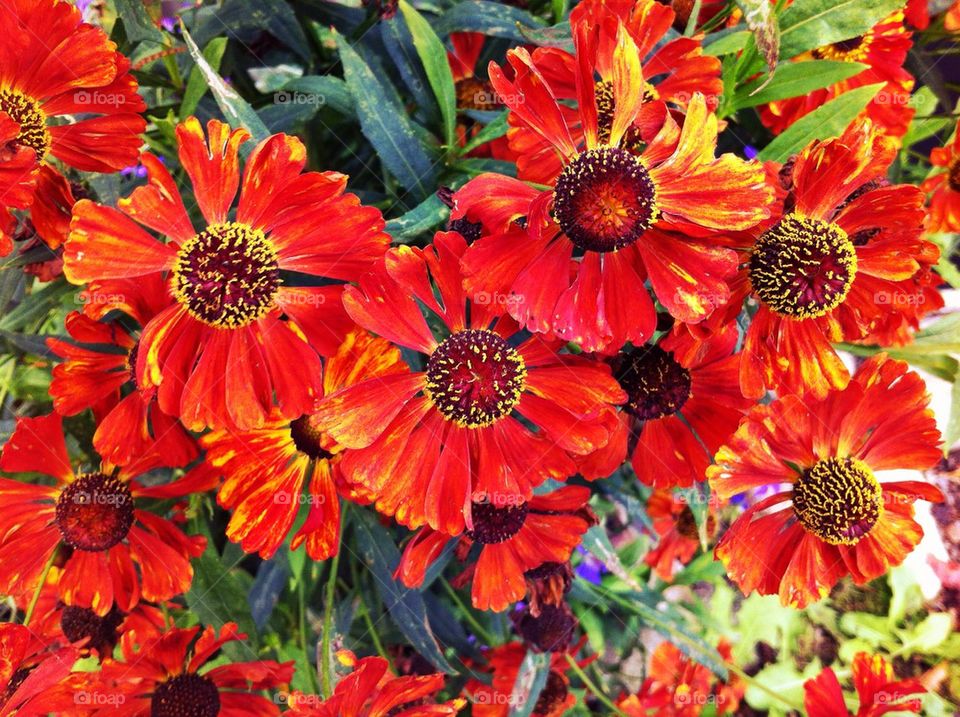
515,537
94,524
491,416
23,656
633,197
170,675
838,515
683,401
844,261
240,337
883,49
58,68
272,471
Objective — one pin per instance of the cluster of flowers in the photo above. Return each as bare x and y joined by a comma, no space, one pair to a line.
281,352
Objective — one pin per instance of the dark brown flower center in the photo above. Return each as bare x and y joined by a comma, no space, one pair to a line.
655,383
101,633
493,524
953,177
604,200
475,378
33,122
553,694
308,438
187,695
853,49
476,94
94,512
550,630
227,275
839,500
802,268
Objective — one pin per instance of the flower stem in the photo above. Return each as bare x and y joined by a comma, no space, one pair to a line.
590,685
40,583
326,663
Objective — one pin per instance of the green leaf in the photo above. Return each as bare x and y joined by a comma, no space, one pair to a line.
385,125
379,552
597,543
531,679
218,594
322,91
558,35
137,22
235,109
196,85
794,79
489,18
36,306
427,215
827,121
807,24
433,55
493,130
726,44
781,680
926,636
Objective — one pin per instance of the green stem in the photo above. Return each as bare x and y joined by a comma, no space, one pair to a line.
40,583
326,664
302,609
481,631
590,685
762,687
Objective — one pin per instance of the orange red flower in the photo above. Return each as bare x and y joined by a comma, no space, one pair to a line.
830,514
98,372
92,523
370,690
833,265
883,49
677,686
878,691
239,339
267,468
426,444
495,699
515,537
943,186
683,401
54,67
638,199
172,675
678,537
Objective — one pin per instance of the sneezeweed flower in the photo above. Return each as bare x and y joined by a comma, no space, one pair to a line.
238,339
944,187
878,690
495,699
620,211
883,49
677,686
98,372
173,675
371,690
830,515
55,67
92,522
683,401
513,536
425,445
266,469
550,630
678,536
674,70
824,271
29,670
473,92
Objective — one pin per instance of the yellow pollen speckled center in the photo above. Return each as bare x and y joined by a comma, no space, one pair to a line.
839,500
227,276
475,378
33,122
855,49
803,268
